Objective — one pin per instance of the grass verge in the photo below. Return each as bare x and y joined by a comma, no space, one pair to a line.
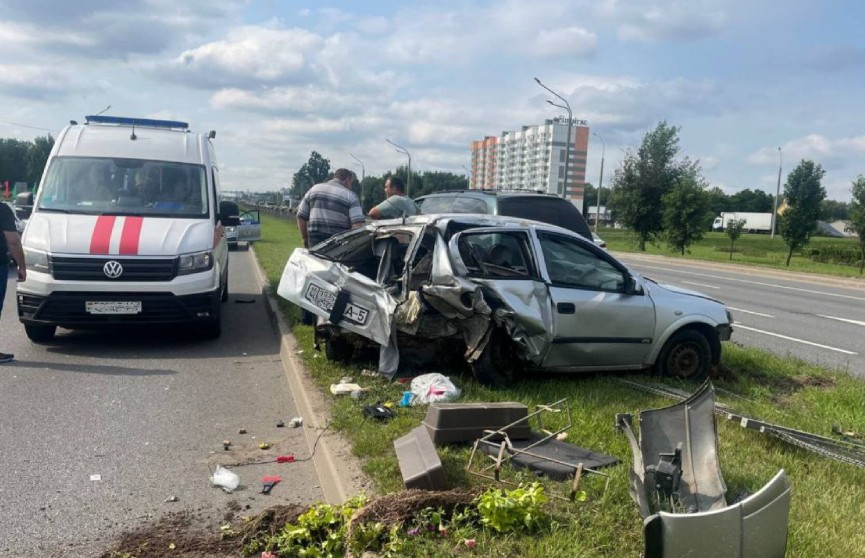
826,494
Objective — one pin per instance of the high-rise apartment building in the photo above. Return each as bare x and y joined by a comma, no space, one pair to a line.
534,159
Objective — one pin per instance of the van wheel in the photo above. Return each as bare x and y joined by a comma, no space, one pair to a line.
498,364
40,333
224,296
687,355
213,328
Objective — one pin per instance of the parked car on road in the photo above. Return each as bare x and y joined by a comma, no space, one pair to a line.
247,229
546,208
599,242
509,295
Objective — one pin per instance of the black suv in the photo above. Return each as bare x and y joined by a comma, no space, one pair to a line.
547,208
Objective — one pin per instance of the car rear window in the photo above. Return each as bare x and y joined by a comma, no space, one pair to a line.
453,204
555,211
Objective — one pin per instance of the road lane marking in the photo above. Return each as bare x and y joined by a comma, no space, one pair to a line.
751,312
846,352
701,285
857,322
760,283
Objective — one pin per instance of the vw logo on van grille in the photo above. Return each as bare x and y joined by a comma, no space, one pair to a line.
112,269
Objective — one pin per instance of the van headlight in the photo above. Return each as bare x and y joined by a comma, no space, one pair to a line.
37,261
194,263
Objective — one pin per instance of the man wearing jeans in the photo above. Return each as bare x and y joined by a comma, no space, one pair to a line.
10,242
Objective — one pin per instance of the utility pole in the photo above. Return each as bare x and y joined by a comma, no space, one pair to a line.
777,195
404,151
600,182
362,176
567,107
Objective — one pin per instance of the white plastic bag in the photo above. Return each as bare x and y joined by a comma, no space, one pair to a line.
225,479
428,388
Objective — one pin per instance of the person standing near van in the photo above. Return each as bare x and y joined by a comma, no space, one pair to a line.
329,208
10,241
397,204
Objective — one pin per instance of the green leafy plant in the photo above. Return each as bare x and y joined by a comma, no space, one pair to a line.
506,510
318,533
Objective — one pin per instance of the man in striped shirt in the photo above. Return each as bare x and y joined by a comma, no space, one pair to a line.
329,208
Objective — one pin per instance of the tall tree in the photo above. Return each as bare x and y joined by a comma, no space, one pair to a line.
857,216
643,179
803,193
37,156
13,160
312,172
831,210
685,208
751,201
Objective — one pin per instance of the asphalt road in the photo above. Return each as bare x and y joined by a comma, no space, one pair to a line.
820,321
99,429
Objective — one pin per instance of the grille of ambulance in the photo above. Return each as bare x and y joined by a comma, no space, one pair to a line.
71,308
92,269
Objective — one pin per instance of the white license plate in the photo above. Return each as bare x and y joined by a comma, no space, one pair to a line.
325,300
113,306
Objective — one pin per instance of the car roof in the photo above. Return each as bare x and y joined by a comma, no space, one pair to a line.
481,193
442,220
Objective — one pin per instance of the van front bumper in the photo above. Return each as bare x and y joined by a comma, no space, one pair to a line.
68,309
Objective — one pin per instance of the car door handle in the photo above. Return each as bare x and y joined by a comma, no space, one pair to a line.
566,308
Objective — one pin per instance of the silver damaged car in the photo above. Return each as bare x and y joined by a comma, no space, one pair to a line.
504,294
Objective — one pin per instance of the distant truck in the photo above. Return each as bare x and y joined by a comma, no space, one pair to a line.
754,222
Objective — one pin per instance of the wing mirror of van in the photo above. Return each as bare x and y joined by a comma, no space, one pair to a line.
229,214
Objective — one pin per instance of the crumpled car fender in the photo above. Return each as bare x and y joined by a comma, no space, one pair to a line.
314,284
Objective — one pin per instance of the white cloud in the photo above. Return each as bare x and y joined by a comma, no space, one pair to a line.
678,20
248,54
566,41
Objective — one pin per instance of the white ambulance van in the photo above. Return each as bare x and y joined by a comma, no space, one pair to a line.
126,229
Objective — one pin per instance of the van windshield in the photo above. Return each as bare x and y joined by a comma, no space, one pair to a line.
124,186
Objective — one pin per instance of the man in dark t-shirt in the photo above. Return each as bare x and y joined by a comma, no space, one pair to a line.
10,242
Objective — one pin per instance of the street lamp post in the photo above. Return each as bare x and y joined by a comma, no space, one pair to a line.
568,142
777,194
362,175
469,175
404,151
600,182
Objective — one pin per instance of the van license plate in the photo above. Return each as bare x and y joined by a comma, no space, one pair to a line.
113,307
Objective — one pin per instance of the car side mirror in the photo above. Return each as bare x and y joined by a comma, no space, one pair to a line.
632,286
228,221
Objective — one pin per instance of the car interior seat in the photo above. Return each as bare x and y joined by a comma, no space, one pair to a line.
500,255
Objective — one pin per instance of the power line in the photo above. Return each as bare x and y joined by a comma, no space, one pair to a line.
26,126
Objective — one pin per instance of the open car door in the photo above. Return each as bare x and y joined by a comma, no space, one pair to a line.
249,229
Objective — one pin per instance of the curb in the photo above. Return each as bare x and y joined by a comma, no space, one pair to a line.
338,471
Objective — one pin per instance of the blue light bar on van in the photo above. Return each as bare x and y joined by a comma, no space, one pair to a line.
144,122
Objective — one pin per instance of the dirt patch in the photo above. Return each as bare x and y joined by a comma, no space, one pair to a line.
402,506
181,535
175,535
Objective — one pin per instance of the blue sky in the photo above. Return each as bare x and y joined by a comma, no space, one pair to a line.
278,79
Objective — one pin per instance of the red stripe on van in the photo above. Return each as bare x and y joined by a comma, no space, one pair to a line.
131,235
101,239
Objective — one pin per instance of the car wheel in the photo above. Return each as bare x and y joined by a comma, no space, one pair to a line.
687,355
498,364
337,349
40,333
